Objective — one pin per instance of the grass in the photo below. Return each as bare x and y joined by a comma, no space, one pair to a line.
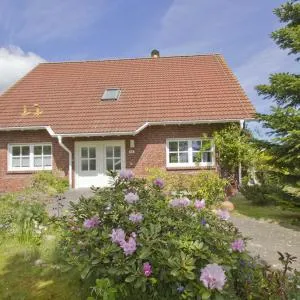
286,217
21,278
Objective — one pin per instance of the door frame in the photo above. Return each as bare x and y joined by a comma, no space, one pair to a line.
100,147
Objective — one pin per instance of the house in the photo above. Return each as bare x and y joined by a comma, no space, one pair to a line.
84,118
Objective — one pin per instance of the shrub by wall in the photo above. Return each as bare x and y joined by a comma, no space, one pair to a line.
206,184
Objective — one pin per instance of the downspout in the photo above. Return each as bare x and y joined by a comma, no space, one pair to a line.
242,122
59,138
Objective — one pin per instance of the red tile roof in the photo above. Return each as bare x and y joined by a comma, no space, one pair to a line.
181,88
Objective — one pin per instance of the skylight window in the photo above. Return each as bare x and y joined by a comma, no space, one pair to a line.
111,94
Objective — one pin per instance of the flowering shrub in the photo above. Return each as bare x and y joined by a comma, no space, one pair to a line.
138,244
205,185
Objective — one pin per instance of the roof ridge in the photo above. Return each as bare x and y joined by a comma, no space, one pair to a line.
129,58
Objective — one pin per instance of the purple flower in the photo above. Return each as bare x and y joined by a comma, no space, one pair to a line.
117,236
131,198
159,183
223,214
129,247
91,223
136,217
199,204
238,245
147,268
126,174
203,222
213,277
180,202
180,289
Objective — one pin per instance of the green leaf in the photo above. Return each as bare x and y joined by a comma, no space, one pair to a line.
145,253
85,273
190,276
96,262
206,295
130,278
219,297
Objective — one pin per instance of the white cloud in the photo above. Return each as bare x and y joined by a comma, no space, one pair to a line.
14,64
257,69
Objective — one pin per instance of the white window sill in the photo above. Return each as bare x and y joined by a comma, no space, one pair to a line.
190,166
28,170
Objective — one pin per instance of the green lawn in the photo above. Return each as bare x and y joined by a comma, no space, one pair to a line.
21,278
285,217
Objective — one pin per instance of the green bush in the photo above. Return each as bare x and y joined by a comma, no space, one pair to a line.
141,244
269,191
29,221
49,183
7,212
260,194
22,219
205,184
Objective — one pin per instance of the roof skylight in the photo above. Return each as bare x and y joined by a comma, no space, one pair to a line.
111,94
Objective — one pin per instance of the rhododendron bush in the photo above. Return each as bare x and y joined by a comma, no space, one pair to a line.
140,244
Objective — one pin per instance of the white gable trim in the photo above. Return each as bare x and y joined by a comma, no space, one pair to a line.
25,128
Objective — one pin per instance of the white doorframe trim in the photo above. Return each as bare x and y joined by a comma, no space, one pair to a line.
79,144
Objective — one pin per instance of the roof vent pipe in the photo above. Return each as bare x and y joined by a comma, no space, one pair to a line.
155,53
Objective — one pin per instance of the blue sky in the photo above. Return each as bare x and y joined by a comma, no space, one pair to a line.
33,30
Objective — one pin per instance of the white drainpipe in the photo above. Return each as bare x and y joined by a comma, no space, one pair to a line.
59,137
240,165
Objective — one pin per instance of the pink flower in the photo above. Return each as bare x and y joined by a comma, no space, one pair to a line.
199,204
129,247
91,223
238,245
131,198
118,236
147,269
180,202
136,217
159,183
126,174
213,277
223,214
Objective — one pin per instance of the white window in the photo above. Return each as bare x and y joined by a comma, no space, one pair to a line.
27,157
113,158
88,159
190,152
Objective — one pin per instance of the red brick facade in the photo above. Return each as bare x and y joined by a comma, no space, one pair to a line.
149,150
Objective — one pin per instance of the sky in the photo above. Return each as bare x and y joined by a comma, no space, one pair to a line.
33,31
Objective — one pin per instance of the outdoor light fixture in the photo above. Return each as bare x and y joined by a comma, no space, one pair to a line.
131,143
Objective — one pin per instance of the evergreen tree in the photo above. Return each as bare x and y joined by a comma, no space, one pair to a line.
284,89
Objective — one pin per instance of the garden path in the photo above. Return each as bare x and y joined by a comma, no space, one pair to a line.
267,238
59,207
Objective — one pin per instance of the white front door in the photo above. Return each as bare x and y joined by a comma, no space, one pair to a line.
94,158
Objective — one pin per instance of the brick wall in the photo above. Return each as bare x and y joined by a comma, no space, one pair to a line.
149,150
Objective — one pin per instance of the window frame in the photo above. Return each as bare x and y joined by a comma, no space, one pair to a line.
88,159
31,167
107,90
112,157
190,162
